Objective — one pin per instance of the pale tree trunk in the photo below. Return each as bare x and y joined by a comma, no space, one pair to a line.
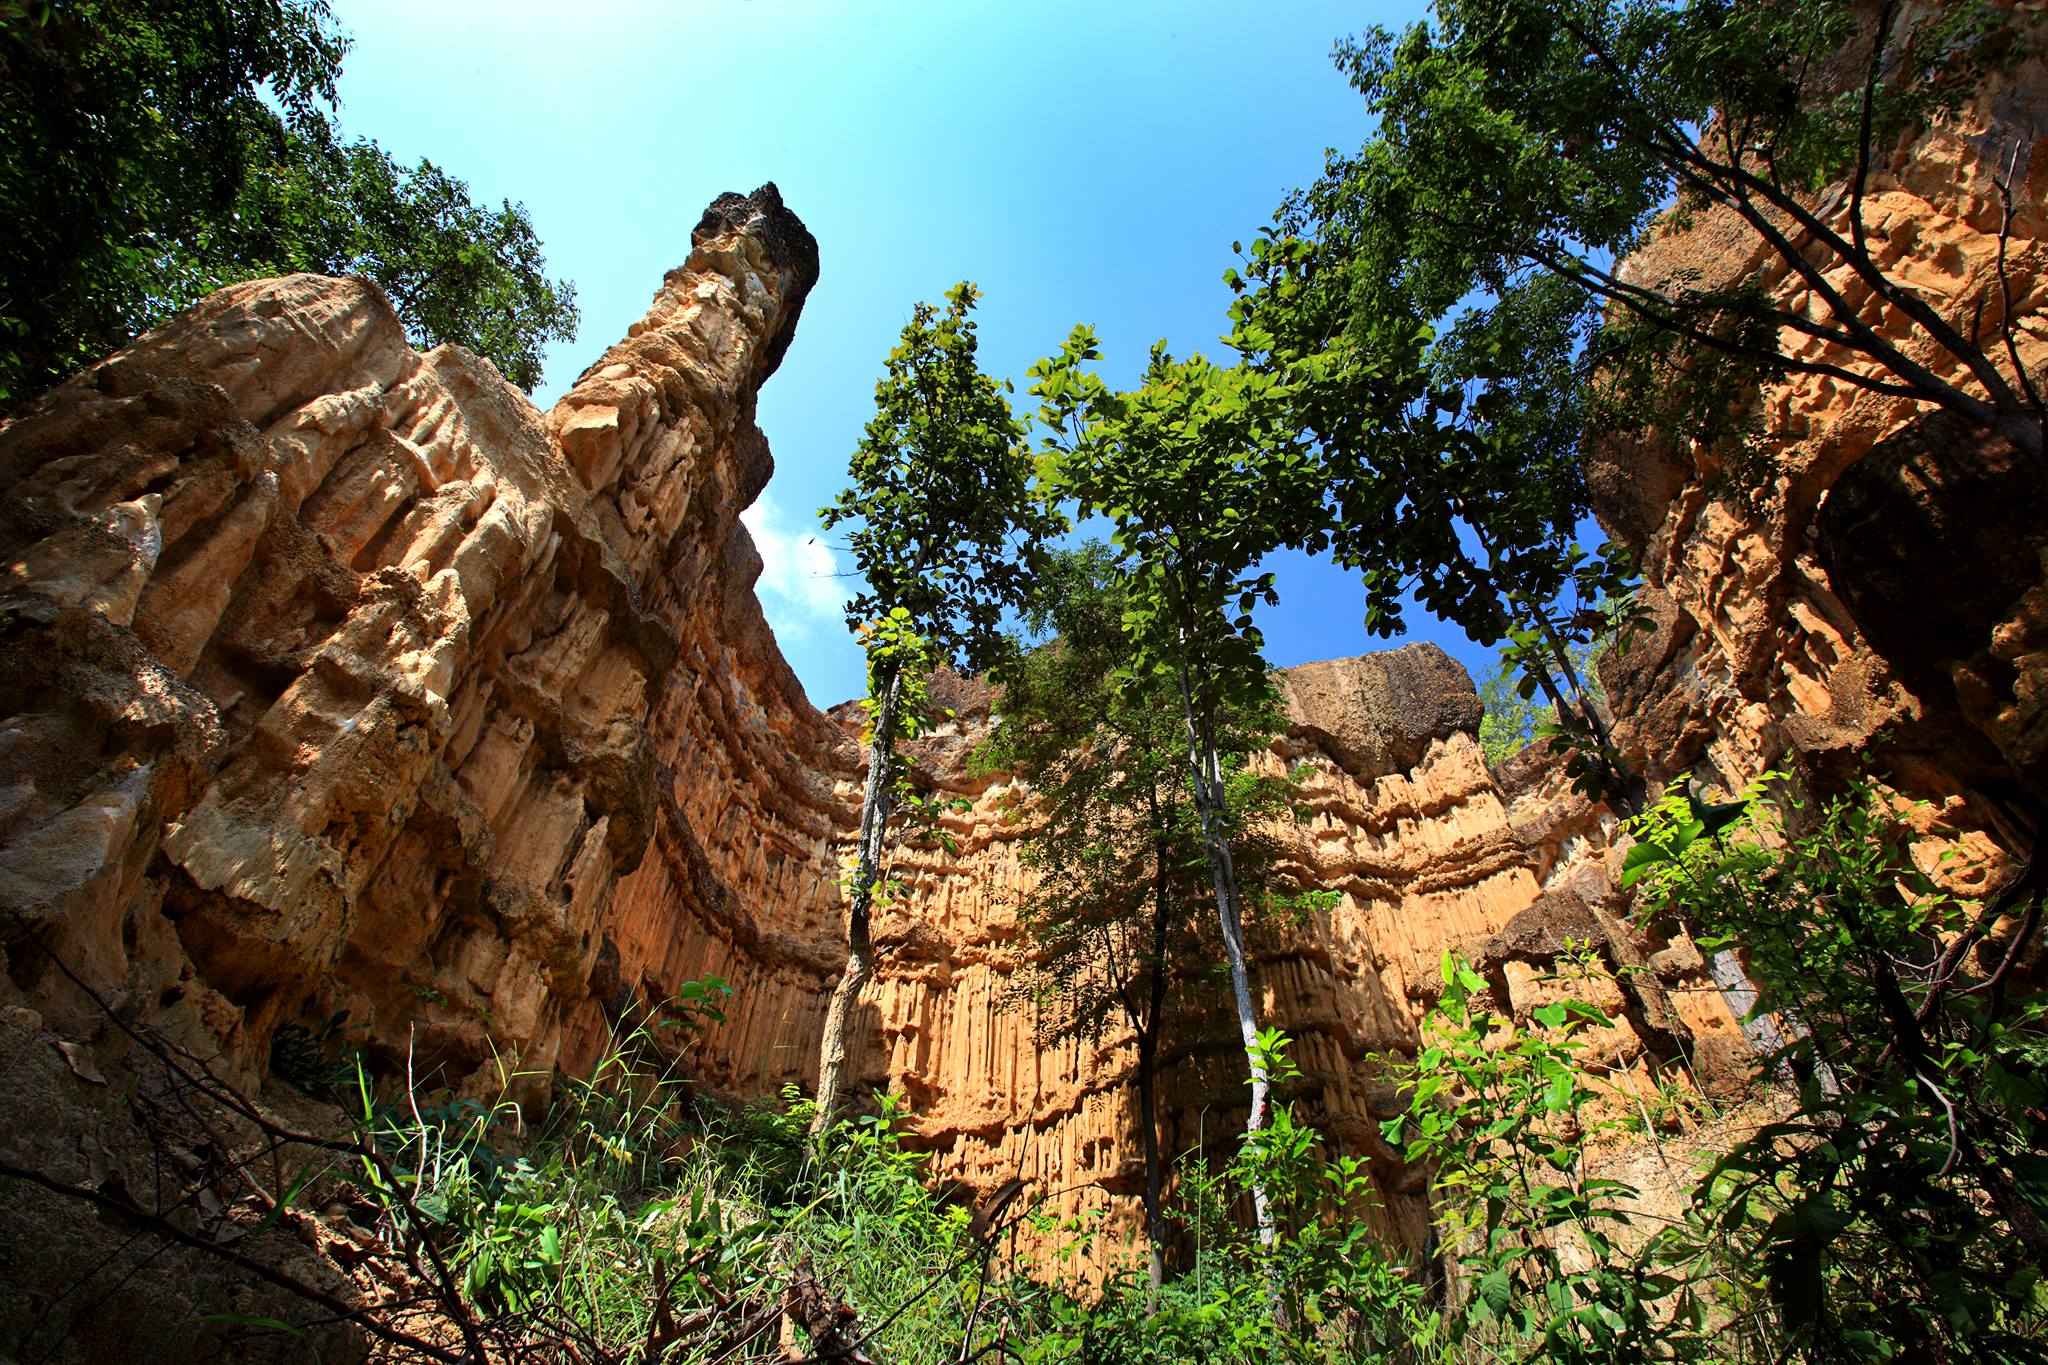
860,896
1205,776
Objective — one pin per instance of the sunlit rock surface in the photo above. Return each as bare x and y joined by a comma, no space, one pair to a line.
329,667
1879,588
341,682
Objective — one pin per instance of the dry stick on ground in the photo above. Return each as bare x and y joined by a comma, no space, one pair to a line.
364,1148
164,1228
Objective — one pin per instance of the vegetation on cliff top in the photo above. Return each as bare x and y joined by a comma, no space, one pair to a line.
153,152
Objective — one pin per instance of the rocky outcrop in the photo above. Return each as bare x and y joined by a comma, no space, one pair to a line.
342,687
329,667
1876,591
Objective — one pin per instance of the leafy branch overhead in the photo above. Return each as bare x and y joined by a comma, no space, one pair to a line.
153,152
942,520
1538,141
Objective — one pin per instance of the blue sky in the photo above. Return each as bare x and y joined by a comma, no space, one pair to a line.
1080,162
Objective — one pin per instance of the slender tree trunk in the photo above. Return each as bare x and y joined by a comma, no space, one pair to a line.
1148,1062
1625,788
1211,808
860,895
1148,1120
1581,694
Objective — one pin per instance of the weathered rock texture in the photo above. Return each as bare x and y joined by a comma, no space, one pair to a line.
341,681
1890,575
328,669
1427,848
329,666
338,678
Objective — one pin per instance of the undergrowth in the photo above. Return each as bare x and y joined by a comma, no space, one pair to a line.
643,1221
1886,1207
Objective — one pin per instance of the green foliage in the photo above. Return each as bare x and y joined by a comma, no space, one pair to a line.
642,1222
1507,720
942,521
1534,144
156,151
1121,915
1896,1211
1886,1210
948,537
1505,1115
1343,1296
1201,474
1123,885
1450,446
1880,1211
1325,1288
1510,718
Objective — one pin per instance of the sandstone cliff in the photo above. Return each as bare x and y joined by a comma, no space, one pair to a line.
343,684
329,666
1879,588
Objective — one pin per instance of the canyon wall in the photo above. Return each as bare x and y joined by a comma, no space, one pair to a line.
1872,588
329,666
1428,849
346,697
347,693
344,691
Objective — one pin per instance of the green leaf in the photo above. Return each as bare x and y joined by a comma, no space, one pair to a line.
1496,1289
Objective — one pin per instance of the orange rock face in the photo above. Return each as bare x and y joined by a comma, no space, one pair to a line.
329,665
1428,849
1886,574
341,681
337,680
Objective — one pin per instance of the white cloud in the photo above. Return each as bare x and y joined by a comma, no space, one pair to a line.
800,584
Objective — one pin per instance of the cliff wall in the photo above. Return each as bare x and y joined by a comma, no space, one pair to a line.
1874,588
339,684
329,666
344,687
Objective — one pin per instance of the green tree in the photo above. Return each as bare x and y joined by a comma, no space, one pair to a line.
1550,139
1201,475
948,536
1451,451
1122,887
1900,1209
152,151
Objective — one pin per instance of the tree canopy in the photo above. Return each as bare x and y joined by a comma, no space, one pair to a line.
1536,138
1202,474
152,151
942,518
